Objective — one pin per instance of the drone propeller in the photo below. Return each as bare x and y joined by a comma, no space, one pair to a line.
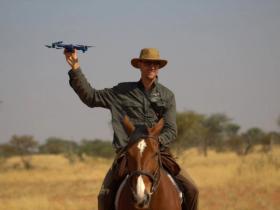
80,45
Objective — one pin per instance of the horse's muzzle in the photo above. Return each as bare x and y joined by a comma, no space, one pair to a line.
145,202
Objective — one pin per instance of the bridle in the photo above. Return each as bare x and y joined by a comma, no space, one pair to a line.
154,177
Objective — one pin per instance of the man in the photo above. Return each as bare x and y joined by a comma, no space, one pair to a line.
144,102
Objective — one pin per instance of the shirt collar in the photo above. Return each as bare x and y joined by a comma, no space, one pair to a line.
141,86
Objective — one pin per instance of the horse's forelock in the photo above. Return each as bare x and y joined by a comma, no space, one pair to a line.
140,132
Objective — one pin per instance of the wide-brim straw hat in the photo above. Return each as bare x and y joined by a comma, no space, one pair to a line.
148,54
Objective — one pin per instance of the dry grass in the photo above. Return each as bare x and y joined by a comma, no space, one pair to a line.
226,182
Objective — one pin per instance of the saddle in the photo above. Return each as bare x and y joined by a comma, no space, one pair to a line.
169,163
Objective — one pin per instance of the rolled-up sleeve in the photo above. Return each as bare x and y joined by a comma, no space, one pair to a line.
169,131
90,96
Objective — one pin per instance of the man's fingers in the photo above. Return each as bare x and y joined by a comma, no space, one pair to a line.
65,52
75,55
72,54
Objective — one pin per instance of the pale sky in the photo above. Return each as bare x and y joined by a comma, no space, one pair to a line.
224,56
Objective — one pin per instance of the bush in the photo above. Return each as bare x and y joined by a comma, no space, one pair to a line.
97,147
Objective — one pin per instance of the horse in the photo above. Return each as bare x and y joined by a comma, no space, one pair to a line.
147,185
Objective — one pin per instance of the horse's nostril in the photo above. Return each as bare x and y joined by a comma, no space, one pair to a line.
145,202
147,198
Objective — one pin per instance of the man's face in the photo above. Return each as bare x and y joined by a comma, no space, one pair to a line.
149,69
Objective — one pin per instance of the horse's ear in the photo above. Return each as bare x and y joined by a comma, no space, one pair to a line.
155,131
128,125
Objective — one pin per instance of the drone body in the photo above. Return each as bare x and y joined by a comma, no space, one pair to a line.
68,47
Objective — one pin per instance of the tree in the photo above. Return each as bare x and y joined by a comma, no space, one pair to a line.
268,141
55,145
96,147
231,130
190,130
215,125
252,137
7,150
231,138
24,145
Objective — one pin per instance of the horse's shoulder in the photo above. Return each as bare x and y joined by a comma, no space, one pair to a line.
171,182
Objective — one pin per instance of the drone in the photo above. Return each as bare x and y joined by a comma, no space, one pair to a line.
68,47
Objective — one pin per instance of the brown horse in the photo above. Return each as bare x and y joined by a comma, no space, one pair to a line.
147,185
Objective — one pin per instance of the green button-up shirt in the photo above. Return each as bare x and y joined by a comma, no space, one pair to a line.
130,98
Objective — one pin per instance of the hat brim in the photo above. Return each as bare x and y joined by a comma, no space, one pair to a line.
135,62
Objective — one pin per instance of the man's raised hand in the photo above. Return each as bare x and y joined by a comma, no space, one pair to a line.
72,59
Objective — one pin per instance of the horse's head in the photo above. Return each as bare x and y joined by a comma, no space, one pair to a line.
143,161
